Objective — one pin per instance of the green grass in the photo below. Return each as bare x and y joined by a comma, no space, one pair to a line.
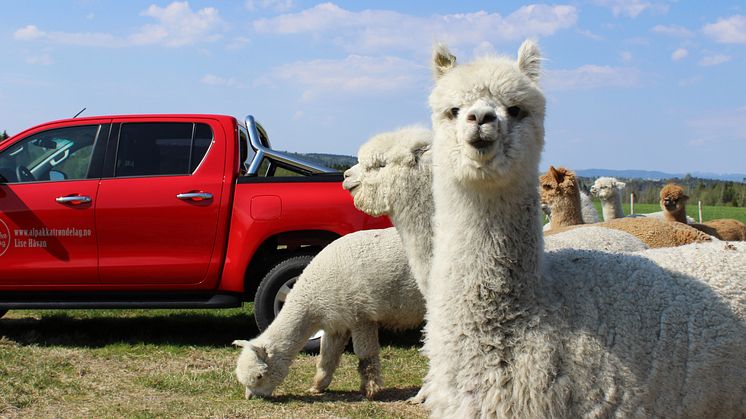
708,212
175,363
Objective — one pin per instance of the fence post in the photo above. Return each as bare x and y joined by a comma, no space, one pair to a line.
631,203
699,208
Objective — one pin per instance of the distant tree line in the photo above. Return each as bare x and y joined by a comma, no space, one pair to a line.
709,191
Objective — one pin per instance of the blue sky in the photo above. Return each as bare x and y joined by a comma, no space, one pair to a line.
652,85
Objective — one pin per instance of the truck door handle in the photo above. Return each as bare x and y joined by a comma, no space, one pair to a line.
194,196
73,199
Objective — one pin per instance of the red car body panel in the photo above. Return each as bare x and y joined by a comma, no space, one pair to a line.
136,235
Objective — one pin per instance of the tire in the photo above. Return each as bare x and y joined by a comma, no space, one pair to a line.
273,290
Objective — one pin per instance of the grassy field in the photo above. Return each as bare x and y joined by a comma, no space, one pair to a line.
708,212
175,363
179,363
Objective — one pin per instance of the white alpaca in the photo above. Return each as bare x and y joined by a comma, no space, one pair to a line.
357,283
609,191
515,332
394,178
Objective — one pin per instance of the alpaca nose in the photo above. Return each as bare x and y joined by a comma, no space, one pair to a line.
481,116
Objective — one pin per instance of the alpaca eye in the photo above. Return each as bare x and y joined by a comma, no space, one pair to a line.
453,113
546,187
514,111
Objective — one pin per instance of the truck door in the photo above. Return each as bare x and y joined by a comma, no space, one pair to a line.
159,201
48,189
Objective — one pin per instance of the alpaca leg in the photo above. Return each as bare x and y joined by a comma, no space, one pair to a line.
365,344
332,347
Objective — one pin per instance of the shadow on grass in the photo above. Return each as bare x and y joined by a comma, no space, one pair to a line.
180,329
386,395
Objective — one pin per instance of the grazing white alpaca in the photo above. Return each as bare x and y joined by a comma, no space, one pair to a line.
609,191
515,332
357,283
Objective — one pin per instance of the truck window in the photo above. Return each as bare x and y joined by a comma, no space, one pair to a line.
53,155
161,148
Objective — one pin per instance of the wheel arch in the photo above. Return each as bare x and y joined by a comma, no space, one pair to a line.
282,246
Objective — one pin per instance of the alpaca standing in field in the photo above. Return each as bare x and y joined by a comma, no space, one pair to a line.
560,191
561,194
673,203
394,178
609,191
514,332
354,285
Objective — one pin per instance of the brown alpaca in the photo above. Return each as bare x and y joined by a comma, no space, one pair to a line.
673,203
652,231
560,192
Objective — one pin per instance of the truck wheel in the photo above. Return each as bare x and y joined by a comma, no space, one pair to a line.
273,291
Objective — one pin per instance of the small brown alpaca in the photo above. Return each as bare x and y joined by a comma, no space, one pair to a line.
673,203
560,192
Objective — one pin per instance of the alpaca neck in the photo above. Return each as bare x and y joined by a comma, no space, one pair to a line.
678,214
289,331
566,211
413,221
612,208
486,250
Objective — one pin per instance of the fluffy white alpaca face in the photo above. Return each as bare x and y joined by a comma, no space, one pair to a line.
254,372
488,115
389,165
606,187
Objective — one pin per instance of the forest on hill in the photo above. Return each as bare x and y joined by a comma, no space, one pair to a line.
709,191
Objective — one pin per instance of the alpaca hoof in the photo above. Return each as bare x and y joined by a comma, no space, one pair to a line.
418,399
315,390
371,389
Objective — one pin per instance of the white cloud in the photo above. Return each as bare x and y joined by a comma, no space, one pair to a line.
28,33
679,54
632,8
719,126
673,30
276,5
626,56
177,25
213,80
592,77
715,59
355,74
43,58
730,30
372,30
691,81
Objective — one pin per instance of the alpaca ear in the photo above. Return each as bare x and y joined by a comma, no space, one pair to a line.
419,152
556,174
443,61
260,352
685,197
620,185
241,343
529,60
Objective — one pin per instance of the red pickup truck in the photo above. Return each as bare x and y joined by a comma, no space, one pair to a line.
161,211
